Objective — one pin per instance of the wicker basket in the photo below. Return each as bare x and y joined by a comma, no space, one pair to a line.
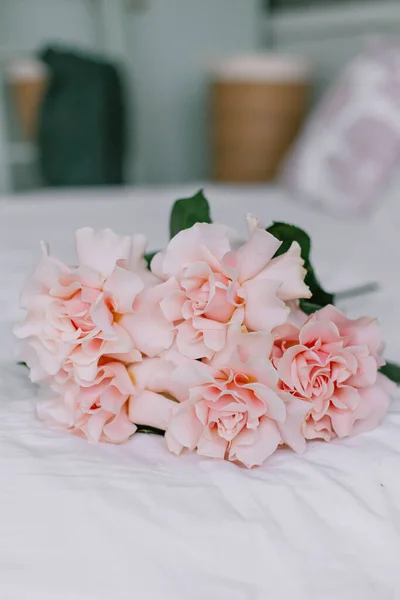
28,80
257,108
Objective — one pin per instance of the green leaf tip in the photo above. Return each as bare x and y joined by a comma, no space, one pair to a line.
189,211
392,371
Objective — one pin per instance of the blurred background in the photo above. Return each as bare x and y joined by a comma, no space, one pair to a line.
114,92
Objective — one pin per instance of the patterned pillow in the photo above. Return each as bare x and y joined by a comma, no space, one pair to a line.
346,155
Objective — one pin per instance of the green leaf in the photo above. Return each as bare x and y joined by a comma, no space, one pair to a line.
319,295
149,257
186,213
392,371
148,429
288,234
309,307
22,364
189,211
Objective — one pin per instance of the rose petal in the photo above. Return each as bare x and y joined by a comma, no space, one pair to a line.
149,408
254,255
288,269
374,404
119,429
103,318
366,374
184,429
124,286
319,330
193,373
172,305
93,429
291,429
189,246
321,429
263,309
156,374
100,250
287,369
252,448
150,335
148,328
275,406
211,444
190,342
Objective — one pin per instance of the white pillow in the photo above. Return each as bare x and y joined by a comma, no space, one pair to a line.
347,152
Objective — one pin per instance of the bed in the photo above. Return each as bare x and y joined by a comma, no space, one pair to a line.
79,522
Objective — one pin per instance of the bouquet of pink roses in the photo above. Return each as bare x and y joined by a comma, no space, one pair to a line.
231,351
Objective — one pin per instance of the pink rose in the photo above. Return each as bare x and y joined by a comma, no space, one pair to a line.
213,285
74,314
119,398
332,362
235,409
97,411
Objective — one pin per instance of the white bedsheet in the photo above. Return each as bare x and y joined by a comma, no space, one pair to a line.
79,522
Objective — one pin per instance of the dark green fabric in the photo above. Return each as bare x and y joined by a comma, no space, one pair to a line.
82,122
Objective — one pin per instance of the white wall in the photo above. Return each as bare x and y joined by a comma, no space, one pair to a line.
330,36
27,24
170,43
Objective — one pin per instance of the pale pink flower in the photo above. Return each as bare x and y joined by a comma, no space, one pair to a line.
213,285
332,363
235,409
74,314
97,411
120,397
